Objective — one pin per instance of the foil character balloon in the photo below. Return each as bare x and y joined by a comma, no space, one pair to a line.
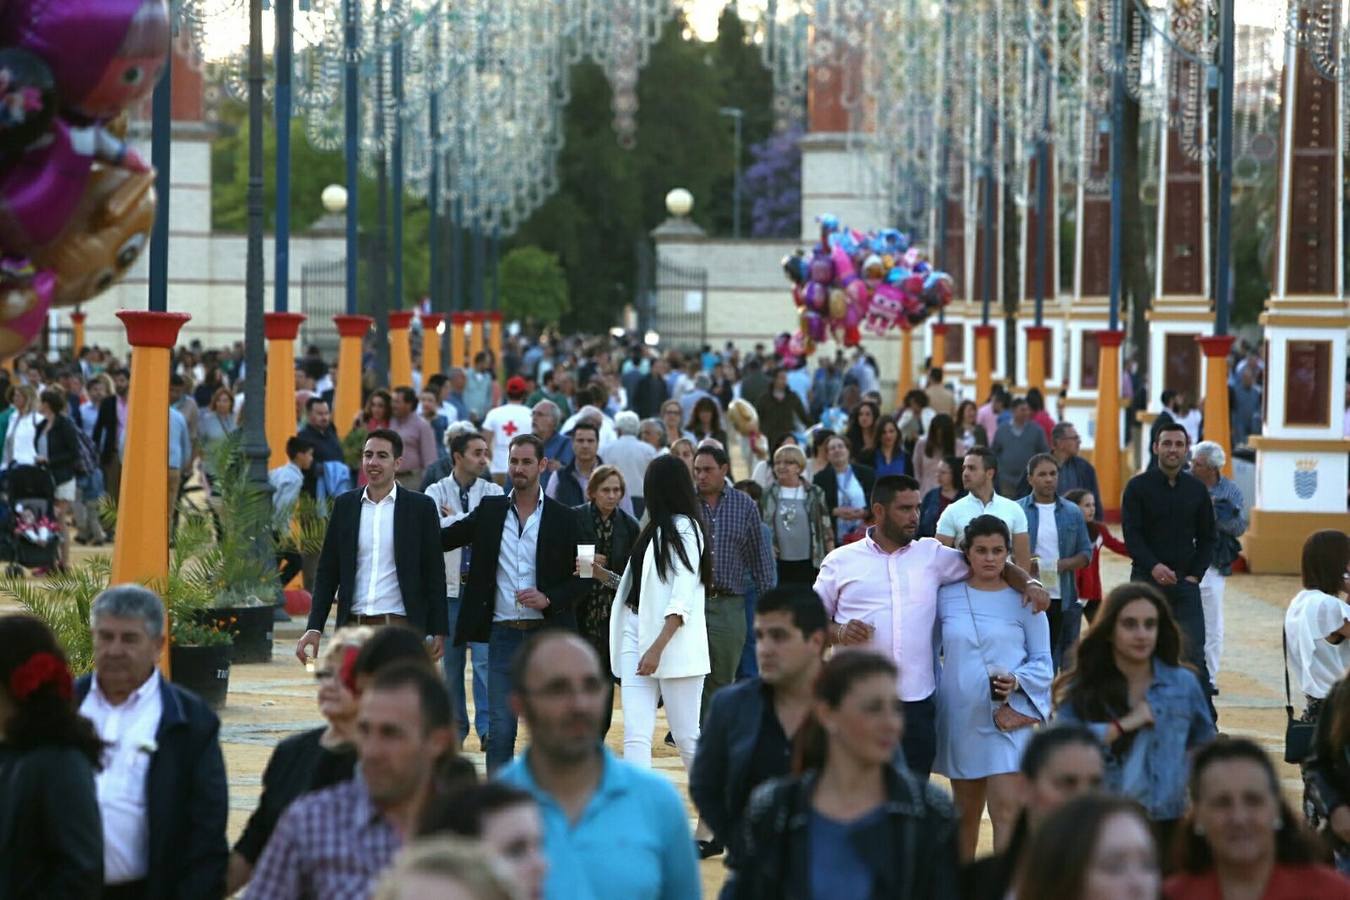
815,326
816,296
39,192
105,55
796,267
838,304
27,99
105,237
24,301
822,270
843,265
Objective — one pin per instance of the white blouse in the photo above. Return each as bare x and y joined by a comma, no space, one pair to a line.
1314,663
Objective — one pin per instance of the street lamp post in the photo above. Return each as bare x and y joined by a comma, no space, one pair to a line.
351,15
737,116
255,436
284,66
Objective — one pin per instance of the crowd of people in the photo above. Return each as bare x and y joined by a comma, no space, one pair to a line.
830,602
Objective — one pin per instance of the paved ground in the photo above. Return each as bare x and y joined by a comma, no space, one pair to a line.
268,702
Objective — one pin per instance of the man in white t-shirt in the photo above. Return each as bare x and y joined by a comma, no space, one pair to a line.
979,475
1061,546
504,422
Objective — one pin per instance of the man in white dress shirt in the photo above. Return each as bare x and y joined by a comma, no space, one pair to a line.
456,496
162,790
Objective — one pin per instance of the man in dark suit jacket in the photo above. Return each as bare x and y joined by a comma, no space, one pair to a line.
504,604
839,469
382,567
164,829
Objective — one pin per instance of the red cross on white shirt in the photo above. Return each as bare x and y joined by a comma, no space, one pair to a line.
510,428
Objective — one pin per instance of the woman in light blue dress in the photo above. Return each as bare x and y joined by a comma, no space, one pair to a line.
993,684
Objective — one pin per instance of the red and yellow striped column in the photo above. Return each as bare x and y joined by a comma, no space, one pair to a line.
347,395
400,348
431,345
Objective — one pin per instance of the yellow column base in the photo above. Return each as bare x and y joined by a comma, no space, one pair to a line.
476,325
400,349
347,394
1106,446
431,346
77,332
1217,426
1037,337
495,340
280,329
457,320
940,344
984,362
1273,544
141,543
905,382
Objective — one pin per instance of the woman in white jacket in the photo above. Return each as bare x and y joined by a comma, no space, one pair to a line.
658,636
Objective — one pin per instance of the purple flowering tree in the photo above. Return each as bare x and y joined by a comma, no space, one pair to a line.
772,186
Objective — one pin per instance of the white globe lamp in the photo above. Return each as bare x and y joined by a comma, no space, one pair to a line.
334,199
679,202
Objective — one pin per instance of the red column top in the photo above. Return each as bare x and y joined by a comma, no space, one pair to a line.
432,320
1215,345
400,319
985,331
1107,338
941,328
77,317
353,326
1038,332
152,329
495,315
459,318
282,326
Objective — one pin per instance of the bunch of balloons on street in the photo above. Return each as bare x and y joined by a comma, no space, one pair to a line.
853,280
76,203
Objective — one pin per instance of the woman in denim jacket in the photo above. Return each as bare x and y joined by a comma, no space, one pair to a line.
1130,688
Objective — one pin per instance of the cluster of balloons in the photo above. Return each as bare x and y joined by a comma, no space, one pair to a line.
76,203
851,281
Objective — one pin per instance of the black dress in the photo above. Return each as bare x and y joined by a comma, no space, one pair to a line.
299,764
51,835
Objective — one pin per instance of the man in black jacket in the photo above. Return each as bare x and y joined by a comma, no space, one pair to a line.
162,791
748,734
1168,520
322,436
651,391
381,555
521,578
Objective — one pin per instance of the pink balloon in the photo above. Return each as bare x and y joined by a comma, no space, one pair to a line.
843,265
23,312
39,192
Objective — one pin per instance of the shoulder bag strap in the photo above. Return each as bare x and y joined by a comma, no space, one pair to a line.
1288,697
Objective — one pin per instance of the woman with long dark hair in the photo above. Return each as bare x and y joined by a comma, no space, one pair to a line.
937,443
1241,839
889,458
935,502
1129,686
864,423
705,421
803,834
1113,855
658,636
1059,764
994,686
1317,622
969,432
51,835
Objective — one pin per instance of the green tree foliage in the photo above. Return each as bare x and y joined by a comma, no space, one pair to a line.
533,286
311,171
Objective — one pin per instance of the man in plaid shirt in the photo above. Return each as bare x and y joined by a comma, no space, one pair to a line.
334,843
738,547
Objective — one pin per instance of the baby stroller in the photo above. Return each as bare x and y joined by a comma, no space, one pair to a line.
30,535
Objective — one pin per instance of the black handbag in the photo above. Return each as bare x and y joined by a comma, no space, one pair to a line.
1298,736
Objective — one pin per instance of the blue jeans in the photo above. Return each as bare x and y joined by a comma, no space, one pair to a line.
501,721
453,662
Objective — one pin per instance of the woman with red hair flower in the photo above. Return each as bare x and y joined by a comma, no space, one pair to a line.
309,760
51,836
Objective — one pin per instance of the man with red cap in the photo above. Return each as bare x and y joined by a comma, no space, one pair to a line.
504,422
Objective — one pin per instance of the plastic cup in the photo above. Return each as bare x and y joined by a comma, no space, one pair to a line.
585,560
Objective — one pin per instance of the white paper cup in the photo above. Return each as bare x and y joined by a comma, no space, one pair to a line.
585,560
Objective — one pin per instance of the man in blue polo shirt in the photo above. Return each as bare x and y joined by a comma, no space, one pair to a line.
611,830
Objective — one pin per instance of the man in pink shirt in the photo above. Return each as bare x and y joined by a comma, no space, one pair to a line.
987,415
881,591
